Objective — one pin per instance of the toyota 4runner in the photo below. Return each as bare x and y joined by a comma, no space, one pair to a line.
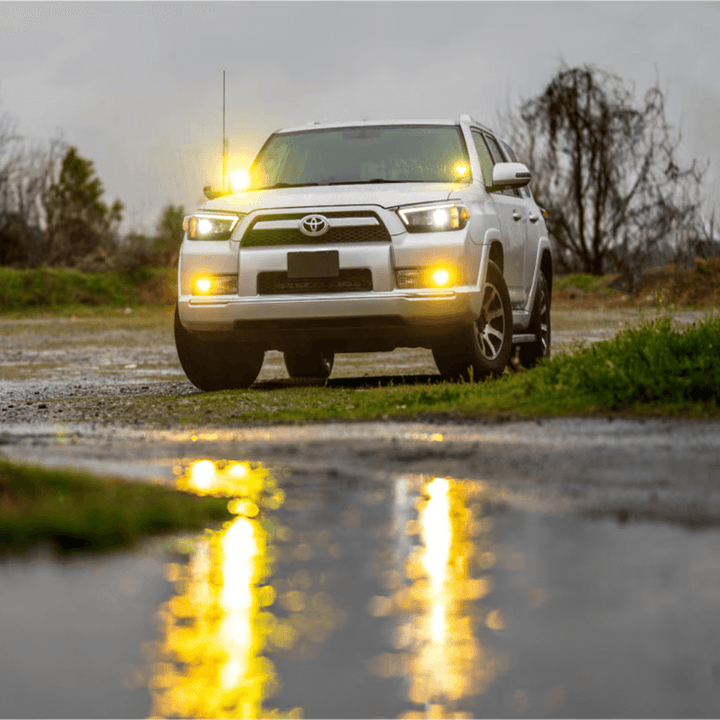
364,237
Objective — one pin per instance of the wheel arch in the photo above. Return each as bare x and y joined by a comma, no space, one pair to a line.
546,265
497,255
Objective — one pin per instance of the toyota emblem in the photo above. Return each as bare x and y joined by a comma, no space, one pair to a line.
314,225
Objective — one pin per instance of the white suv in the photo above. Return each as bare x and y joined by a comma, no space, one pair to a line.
367,236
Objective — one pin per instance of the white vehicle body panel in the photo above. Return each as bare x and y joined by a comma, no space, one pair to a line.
498,227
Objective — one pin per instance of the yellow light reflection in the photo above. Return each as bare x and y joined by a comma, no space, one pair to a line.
202,474
437,648
209,662
210,659
230,479
240,548
437,536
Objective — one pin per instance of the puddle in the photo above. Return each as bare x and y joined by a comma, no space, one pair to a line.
339,594
71,633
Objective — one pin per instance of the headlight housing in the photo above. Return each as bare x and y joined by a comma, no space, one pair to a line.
210,225
439,217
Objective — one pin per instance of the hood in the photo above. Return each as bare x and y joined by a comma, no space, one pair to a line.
384,195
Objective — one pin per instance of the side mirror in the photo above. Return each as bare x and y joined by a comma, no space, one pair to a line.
211,193
510,174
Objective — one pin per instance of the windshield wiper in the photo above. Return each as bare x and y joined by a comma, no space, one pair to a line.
369,182
286,185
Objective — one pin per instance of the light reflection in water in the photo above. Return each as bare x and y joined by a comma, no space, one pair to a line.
209,661
216,633
438,613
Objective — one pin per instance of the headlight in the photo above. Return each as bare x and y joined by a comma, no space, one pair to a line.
215,285
433,276
210,226
434,218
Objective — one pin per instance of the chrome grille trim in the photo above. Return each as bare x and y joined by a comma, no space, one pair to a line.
268,229
333,222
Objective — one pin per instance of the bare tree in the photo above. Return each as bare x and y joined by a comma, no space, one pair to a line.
606,169
12,250
26,172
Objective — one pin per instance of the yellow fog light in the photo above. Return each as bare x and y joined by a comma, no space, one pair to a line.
441,277
437,276
202,286
214,285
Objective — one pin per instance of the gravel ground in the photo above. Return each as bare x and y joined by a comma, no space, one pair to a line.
51,368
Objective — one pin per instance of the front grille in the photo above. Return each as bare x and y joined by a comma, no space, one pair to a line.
345,226
263,238
277,283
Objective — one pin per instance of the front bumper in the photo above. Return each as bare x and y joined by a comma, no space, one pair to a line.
351,322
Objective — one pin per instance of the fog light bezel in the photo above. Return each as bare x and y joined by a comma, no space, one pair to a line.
219,284
423,277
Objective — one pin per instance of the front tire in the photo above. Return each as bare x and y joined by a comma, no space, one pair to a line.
213,365
309,364
530,354
482,350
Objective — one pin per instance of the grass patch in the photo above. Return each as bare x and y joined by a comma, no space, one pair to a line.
581,281
649,364
78,511
66,287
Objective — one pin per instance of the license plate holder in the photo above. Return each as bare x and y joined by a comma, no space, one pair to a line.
321,264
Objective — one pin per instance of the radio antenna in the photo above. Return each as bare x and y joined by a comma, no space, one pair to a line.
224,145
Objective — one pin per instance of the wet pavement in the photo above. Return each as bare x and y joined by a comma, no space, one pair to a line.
555,569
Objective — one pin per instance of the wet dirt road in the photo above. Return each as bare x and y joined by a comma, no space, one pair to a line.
561,568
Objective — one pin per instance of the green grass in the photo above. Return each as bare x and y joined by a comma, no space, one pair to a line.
581,281
77,511
62,287
650,369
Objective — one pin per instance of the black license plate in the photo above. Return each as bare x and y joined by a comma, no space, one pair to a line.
323,264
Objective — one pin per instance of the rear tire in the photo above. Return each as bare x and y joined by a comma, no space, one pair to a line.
213,365
530,354
309,364
483,349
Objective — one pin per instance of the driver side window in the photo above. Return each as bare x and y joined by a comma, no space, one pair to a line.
498,155
486,161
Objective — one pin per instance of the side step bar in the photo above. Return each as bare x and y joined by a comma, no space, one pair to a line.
523,338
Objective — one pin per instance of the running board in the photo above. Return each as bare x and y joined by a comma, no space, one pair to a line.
526,338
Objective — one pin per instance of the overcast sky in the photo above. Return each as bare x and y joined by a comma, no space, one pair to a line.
137,86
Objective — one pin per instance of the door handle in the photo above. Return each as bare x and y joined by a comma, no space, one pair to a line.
533,218
516,215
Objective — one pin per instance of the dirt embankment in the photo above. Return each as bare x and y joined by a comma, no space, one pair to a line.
659,287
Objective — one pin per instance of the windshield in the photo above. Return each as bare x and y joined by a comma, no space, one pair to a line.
398,153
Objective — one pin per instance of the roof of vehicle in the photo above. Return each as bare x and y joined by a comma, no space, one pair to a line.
375,123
